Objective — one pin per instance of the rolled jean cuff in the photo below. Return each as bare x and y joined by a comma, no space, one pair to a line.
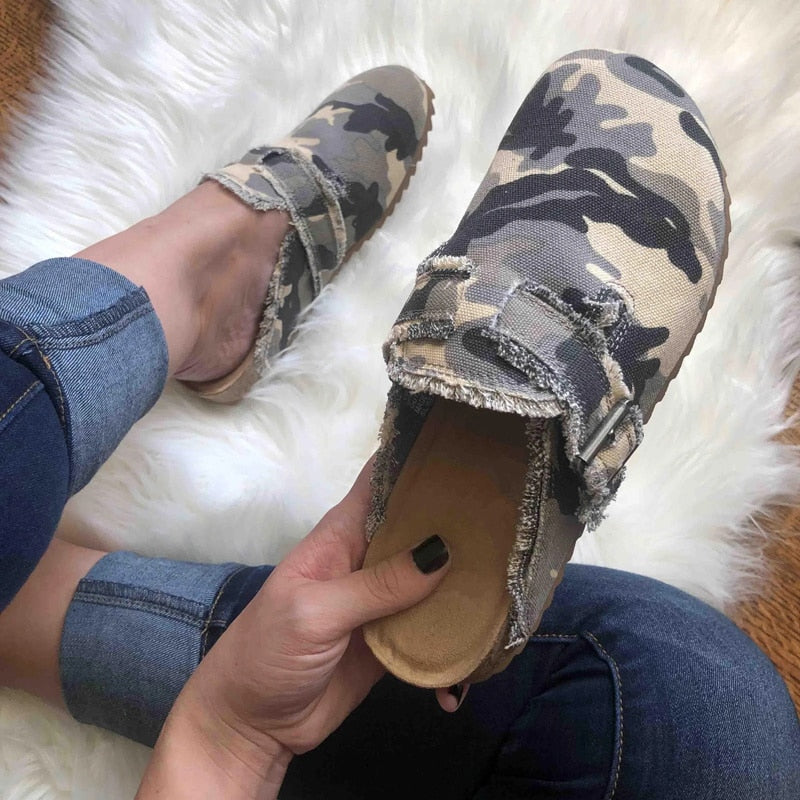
137,628
93,338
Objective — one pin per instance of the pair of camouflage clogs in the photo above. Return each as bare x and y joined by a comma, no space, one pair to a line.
537,338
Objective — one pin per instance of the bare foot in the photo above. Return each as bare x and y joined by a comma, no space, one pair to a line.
206,263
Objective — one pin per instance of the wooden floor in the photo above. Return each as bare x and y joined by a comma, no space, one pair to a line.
23,27
773,621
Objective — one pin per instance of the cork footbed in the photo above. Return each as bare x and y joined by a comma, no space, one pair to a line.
463,480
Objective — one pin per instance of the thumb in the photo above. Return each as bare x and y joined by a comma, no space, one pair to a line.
387,587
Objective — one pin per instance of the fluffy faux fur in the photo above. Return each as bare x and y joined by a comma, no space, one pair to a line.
145,95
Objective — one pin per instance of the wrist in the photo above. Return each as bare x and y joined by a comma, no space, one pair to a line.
254,758
199,754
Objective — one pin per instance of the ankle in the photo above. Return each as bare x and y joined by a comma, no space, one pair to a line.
230,273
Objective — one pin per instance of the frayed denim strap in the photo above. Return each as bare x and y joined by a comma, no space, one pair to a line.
284,178
551,361
541,335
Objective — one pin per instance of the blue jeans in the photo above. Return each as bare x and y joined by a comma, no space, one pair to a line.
630,688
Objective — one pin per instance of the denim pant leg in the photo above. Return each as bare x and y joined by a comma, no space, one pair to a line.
94,341
91,352
630,690
34,469
135,631
82,358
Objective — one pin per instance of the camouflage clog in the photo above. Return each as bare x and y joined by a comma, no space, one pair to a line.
338,174
568,295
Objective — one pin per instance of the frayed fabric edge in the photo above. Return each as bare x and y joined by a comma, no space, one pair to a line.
527,529
255,200
473,395
390,457
266,328
595,498
381,480
597,491
330,194
595,495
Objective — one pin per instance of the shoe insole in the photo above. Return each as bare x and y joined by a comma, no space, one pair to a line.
463,480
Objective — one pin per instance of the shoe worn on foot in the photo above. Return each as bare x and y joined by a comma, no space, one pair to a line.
535,344
338,174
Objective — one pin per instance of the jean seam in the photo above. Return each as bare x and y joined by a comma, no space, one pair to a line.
19,399
148,606
61,408
17,345
612,790
78,340
210,617
566,638
93,321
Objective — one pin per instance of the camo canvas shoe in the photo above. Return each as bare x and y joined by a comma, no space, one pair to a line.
533,348
338,174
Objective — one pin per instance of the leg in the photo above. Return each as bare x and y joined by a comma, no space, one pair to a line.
630,689
117,650
102,346
205,262
181,293
83,354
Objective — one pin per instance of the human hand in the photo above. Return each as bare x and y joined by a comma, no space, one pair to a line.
294,664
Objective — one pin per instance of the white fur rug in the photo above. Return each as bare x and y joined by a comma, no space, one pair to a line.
146,94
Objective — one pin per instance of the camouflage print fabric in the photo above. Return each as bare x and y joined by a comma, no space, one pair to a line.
581,271
338,175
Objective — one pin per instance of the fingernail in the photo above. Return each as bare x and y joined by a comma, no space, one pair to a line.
430,555
457,690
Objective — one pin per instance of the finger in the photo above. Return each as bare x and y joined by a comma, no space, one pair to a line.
355,675
345,524
450,699
358,671
356,501
387,587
